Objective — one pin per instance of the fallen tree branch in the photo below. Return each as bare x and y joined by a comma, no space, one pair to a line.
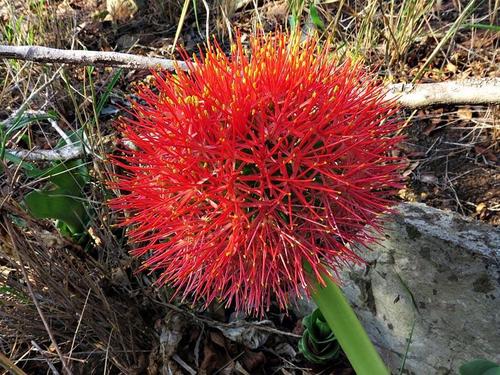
470,91
79,57
72,150
62,153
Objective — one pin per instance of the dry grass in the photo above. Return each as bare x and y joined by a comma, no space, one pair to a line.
403,37
92,314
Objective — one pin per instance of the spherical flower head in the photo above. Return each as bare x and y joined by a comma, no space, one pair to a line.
247,167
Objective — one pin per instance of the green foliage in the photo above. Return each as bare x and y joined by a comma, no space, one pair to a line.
315,18
12,30
480,367
482,26
8,130
298,8
318,343
62,198
7,290
103,98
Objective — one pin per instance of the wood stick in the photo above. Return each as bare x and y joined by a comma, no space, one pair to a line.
472,91
80,57
62,153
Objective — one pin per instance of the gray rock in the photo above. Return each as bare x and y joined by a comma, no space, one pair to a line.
440,274
437,274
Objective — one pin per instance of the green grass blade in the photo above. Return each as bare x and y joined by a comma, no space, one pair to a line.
407,350
452,30
349,332
481,26
107,92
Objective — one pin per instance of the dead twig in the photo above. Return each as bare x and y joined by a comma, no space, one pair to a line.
7,364
261,325
61,275
79,57
34,93
63,153
470,91
49,363
79,322
183,364
72,150
473,91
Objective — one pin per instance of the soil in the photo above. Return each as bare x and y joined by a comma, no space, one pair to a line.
453,161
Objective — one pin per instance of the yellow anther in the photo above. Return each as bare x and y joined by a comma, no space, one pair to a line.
191,99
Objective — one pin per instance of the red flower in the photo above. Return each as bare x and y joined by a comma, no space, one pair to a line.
248,166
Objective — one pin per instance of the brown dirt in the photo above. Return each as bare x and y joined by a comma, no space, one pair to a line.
453,161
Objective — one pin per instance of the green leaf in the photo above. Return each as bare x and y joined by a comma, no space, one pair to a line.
321,330
492,371
349,332
480,367
107,92
18,123
315,17
24,119
71,175
482,26
30,169
318,343
58,204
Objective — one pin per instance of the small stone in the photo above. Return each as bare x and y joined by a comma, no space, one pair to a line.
464,113
122,10
480,208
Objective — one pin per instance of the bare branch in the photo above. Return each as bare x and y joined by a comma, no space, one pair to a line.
79,57
471,91
63,153
49,363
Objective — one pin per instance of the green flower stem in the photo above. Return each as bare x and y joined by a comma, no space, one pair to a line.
349,332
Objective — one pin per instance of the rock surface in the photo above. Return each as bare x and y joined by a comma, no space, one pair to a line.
439,275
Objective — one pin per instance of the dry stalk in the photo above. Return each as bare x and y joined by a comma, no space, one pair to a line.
7,364
80,300
78,57
10,231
